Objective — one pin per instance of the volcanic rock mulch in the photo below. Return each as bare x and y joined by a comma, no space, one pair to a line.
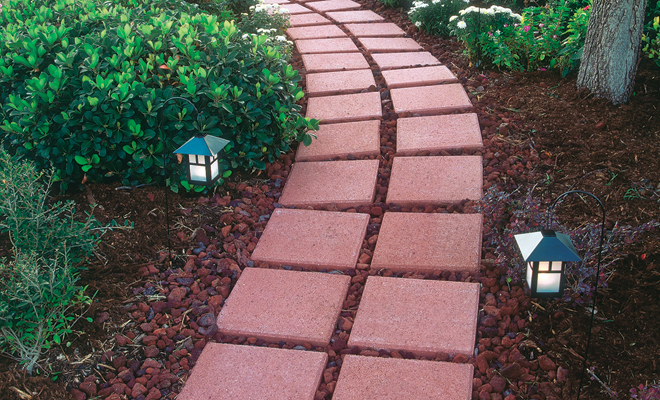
152,319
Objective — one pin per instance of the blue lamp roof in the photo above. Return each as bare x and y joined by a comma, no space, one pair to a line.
547,245
206,145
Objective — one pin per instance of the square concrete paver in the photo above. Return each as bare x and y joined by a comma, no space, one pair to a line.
295,9
387,61
398,78
232,372
339,140
435,180
367,378
385,29
344,17
341,183
334,62
315,32
389,45
332,5
345,108
298,20
439,132
337,45
340,82
424,317
427,100
312,239
279,305
427,242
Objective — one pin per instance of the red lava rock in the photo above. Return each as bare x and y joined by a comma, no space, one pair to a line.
89,388
138,390
482,363
150,363
78,395
154,394
600,125
344,324
562,374
151,351
512,371
498,383
102,317
546,363
176,295
460,358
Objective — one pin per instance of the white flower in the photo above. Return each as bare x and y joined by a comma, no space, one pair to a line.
461,24
418,24
280,38
453,17
436,1
498,32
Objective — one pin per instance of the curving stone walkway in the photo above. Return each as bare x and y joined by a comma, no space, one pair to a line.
423,318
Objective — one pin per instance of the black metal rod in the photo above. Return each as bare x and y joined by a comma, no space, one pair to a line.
600,255
167,189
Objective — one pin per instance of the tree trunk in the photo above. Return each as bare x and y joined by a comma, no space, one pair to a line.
611,49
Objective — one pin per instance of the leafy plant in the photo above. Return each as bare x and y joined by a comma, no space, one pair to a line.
83,87
651,41
37,300
405,4
39,295
433,16
506,215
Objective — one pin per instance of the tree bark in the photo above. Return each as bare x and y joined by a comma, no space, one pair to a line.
611,49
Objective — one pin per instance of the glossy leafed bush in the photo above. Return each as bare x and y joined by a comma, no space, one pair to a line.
83,86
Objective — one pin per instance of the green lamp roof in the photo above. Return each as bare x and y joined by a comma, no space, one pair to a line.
547,245
203,145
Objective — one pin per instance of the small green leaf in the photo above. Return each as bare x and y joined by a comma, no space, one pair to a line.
81,160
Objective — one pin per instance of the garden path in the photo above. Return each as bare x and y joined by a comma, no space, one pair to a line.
396,316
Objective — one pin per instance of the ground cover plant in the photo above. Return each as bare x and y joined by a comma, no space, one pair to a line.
83,88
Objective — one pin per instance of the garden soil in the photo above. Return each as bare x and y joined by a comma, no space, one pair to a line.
541,135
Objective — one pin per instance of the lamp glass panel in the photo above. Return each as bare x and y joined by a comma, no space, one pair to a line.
548,283
214,168
544,265
198,173
556,266
192,158
529,274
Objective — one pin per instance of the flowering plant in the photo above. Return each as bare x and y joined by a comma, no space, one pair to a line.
433,16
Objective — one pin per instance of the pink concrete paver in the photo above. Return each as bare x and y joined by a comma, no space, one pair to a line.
334,62
315,32
435,180
293,8
427,100
358,139
332,5
439,132
387,61
424,317
389,45
398,78
312,239
276,305
424,242
345,108
337,45
340,82
367,378
344,17
341,183
298,20
276,1
232,372
385,29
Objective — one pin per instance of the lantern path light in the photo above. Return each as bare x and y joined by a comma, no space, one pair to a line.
202,161
546,253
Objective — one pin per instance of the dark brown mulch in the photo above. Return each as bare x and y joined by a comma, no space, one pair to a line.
539,132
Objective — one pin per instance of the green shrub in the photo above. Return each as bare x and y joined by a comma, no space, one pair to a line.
651,36
542,38
82,87
433,16
405,4
38,291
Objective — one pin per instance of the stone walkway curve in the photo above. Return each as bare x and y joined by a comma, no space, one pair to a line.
314,242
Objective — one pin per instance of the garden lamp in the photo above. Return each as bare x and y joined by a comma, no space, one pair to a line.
546,253
202,151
